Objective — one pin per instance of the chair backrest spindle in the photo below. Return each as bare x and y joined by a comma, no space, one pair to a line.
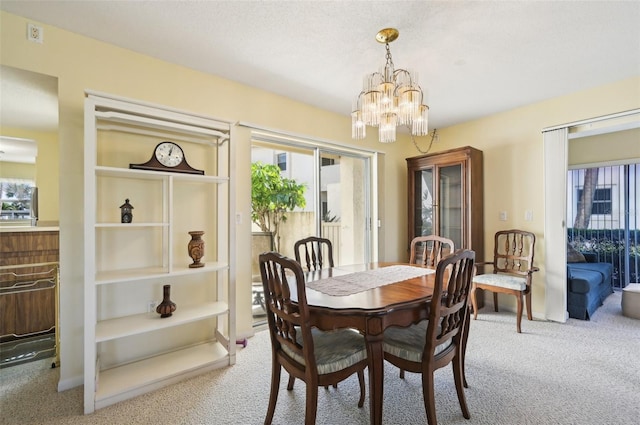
513,251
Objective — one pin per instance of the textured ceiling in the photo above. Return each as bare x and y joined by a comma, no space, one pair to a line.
473,58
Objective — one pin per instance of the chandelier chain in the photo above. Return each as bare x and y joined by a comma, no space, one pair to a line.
434,136
389,59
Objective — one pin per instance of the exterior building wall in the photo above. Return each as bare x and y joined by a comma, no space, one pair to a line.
608,177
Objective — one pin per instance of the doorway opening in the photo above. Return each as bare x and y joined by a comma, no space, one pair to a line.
604,218
29,191
594,142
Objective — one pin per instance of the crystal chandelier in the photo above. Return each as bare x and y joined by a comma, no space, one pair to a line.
389,98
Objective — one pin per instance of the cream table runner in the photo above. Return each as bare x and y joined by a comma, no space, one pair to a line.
353,283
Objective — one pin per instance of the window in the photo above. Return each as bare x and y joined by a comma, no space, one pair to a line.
327,161
281,160
15,195
601,201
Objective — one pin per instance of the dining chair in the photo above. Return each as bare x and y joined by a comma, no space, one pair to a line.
428,250
512,271
430,345
318,358
312,251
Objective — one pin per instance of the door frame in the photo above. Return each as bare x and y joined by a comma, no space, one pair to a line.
318,147
556,141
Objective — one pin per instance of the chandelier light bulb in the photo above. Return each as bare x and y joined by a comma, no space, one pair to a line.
358,127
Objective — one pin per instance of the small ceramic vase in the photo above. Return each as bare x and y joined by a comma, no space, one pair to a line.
196,248
166,307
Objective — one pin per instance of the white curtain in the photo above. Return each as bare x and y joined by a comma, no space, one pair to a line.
555,229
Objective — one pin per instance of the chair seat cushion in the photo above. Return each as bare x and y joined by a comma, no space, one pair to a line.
334,351
408,343
502,280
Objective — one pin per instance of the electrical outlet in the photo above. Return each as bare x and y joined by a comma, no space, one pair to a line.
503,216
151,306
528,215
34,33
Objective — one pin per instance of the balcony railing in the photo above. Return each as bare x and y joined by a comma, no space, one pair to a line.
332,232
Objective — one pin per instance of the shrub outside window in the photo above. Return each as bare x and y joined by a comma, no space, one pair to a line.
15,195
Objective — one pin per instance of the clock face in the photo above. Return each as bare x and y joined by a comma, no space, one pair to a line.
169,154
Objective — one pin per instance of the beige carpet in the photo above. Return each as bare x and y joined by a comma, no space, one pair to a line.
582,373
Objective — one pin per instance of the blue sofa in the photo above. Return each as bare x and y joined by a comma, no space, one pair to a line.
588,284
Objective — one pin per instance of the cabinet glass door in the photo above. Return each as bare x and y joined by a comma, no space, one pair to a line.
450,203
423,202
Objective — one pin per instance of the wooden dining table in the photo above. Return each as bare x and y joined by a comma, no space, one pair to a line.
370,311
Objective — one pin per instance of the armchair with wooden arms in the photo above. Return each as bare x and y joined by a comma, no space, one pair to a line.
512,271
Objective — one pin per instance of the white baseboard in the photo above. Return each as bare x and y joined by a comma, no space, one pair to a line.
247,335
67,384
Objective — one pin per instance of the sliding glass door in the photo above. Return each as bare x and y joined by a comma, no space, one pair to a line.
337,203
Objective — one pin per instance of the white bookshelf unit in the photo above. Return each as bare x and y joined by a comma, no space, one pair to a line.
128,348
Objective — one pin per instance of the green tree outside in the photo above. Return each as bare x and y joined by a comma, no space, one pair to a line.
271,197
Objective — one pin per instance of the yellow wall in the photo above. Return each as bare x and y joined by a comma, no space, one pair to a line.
81,63
45,171
612,147
511,141
17,170
513,160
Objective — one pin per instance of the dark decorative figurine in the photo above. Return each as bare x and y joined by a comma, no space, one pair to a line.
166,307
126,215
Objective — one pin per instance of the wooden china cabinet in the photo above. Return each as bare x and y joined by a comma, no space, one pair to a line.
445,197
